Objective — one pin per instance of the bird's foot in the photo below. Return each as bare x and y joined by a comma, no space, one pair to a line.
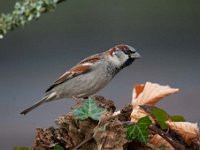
78,100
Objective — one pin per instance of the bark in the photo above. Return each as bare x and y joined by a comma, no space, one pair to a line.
106,134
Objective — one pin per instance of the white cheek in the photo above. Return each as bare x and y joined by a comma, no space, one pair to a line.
115,60
123,58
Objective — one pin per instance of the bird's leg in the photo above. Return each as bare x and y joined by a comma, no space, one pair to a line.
76,98
79,101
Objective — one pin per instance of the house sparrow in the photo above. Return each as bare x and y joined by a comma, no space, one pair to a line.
90,75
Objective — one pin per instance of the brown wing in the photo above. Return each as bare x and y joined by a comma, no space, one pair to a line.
91,59
81,68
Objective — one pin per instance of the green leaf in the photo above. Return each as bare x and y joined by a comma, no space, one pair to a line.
89,109
20,148
139,131
161,116
58,147
177,118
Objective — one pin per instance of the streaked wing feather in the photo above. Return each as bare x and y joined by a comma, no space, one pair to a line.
92,59
73,72
81,68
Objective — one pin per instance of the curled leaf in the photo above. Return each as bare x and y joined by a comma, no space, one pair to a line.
137,113
160,142
188,131
150,93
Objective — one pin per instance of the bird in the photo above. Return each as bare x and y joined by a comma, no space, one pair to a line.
90,75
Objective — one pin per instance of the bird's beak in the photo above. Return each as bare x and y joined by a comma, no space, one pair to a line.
135,55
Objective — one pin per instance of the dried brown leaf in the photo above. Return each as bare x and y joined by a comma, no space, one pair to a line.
188,131
150,93
138,113
110,133
159,142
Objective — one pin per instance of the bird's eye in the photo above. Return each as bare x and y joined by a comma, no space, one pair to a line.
128,52
115,53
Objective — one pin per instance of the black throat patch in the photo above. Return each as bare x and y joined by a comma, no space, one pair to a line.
127,63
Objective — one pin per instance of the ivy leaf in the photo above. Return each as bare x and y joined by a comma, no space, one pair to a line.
139,131
20,148
161,116
177,118
89,109
58,147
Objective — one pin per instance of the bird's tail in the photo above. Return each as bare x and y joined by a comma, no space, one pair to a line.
45,99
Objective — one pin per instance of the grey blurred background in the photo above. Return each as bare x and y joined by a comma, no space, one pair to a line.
165,33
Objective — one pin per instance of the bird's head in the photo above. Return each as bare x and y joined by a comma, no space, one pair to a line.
122,55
